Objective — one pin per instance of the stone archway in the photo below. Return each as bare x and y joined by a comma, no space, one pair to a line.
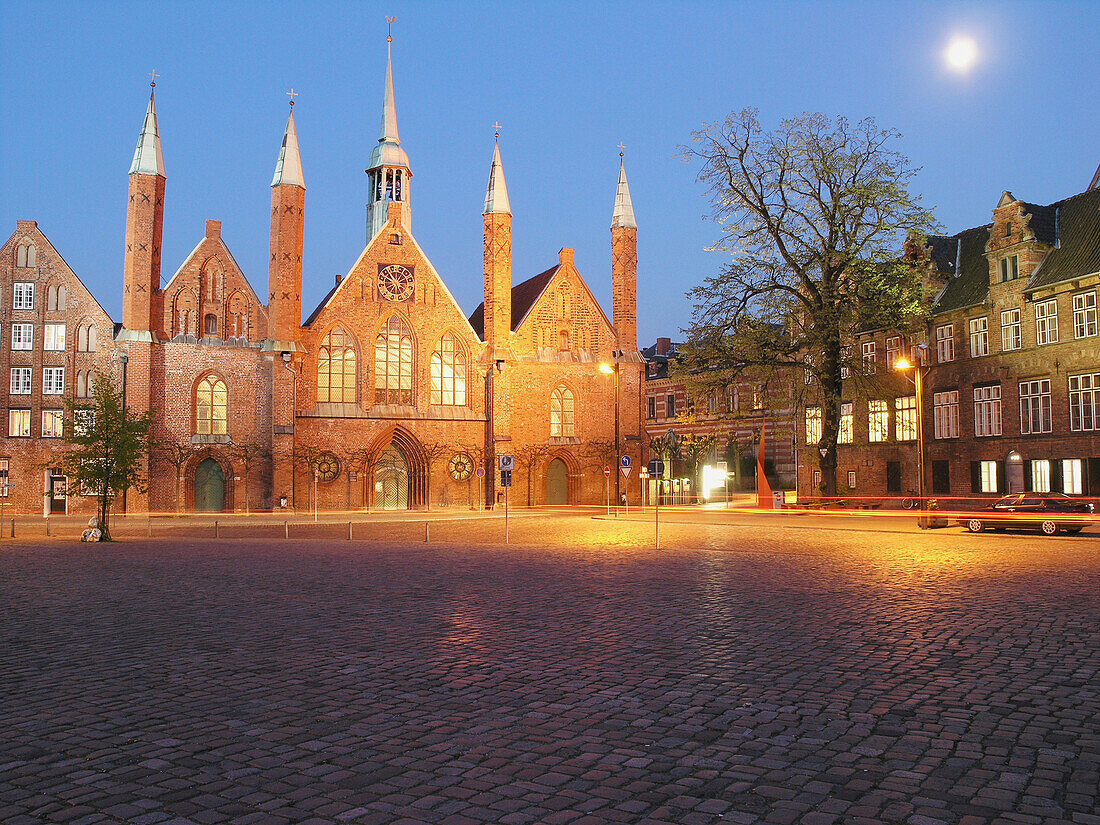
391,480
209,486
557,482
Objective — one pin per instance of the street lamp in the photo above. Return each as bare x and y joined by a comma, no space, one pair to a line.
903,365
613,369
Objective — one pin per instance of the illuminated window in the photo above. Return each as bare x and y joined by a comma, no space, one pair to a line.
336,368
561,412
1040,475
19,423
211,406
53,337
844,436
878,421
905,418
393,364
813,425
52,423
869,360
448,374
987,476
5,466
893,351
1072,476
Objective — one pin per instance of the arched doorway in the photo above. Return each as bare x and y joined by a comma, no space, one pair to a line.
391,480
209,486
557,482
1014,473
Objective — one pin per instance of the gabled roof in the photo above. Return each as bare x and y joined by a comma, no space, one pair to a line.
1078,250
970,286
524,296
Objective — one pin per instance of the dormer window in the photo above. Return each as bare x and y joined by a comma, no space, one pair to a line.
1010,268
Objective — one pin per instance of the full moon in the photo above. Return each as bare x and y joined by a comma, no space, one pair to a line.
961,53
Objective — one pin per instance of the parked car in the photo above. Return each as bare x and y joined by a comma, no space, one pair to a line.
1047,512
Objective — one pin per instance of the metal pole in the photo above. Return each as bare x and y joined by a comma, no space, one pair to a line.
607,491
657,519
920,444
506,489
618,456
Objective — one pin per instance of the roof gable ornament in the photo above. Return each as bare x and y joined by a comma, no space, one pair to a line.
1006,198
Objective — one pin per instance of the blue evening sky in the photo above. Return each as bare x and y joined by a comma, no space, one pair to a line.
567,81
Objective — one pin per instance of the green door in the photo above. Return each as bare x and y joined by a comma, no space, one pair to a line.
557,483
209,487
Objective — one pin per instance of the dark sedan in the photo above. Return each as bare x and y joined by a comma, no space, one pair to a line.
1047,512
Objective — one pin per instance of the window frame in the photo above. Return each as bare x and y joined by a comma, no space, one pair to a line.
905,418
1011,326
23,416
50,342
1035,407
979,336
447,373
987,411
878,421
562,402
945,343
1046,322
1084,315
22,297
21,380
945,414
53,380
206,390
26,337
58,418
1084,402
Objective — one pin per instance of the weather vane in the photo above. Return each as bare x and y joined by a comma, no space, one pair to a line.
622,149
153,78
292,94
389,34
496,130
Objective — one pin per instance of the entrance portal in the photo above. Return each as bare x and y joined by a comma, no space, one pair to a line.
209,487
557,483
58,491
391,480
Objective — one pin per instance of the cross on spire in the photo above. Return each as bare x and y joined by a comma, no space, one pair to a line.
292,94
153,78
496,130
389,33
622,149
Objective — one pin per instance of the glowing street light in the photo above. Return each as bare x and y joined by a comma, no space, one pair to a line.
904,365
613,369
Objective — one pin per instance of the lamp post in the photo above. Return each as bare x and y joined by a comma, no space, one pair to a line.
613,369
903,365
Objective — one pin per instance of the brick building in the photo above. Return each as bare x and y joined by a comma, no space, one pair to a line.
388,395
1011,366
736,416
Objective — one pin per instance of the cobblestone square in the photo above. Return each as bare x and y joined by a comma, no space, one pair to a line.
738,675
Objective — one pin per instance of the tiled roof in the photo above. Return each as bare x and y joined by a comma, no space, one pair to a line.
524,296
1078,250
1043,222
970,286
324,302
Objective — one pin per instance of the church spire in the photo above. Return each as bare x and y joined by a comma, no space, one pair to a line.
624,209
388,172
148,159
496,193
288,169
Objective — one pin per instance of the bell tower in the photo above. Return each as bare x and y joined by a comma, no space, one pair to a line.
388,174
624,267
144,227
288,196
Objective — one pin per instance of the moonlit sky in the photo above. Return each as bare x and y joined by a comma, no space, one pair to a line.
567,81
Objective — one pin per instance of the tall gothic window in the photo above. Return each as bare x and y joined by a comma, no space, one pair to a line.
448,374
211,406
336,375
393,364
561,412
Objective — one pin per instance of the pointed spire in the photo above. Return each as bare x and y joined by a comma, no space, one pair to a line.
496,193
288,169
624,209
148,159
389,107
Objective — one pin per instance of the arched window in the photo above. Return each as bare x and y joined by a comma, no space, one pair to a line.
210,324
81,385
336,375
51,298
561,412
393,357
448,374
91,338
62,295
26,255
211,406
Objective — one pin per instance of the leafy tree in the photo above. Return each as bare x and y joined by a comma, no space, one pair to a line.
693,447
107,445
814,215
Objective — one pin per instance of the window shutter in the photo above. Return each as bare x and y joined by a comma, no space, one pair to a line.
975,477
1027,477
1001,478
1056,475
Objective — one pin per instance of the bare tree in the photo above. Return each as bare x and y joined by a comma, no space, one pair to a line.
814,216
177,454
364,460
480,456
529,458
433,453
246,454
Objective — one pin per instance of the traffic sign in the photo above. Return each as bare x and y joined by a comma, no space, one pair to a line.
624,461
644,473
505,478
607,471
480,471
656,468
507,462
625,470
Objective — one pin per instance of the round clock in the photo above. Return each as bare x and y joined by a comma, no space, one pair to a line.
395,283
461,468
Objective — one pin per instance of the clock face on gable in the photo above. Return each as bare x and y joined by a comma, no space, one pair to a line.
395,282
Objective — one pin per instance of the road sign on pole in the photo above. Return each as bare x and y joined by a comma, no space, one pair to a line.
507,462
656,468
624,461
625,470
607,471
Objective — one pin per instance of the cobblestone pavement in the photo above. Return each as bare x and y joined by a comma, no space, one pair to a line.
766,674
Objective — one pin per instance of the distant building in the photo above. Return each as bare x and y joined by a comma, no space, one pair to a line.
736,416
1011,391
